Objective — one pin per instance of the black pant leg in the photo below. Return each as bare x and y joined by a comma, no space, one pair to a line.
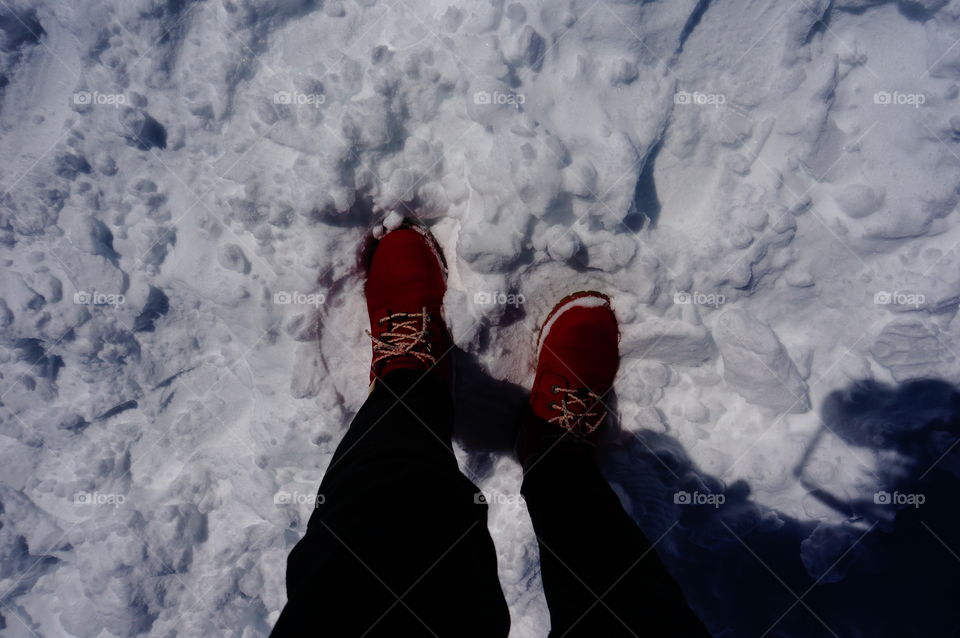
600,574
398,544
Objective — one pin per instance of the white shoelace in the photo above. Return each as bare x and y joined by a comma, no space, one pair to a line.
406,335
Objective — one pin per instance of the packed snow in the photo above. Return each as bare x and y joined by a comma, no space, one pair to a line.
767,189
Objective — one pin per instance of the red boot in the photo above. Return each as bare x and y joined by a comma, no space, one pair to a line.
405,287
577,361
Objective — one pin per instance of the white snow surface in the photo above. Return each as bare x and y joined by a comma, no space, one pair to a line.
767,190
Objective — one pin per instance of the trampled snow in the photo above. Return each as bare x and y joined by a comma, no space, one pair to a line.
766,189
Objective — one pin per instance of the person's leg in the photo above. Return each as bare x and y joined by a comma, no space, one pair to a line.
398,544
600,574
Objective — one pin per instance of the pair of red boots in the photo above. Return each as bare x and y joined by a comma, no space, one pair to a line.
578,342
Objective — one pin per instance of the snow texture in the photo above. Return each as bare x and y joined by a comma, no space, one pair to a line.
767,190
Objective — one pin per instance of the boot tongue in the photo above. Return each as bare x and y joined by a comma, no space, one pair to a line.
409,340
401,339
578,410
583,394
554,396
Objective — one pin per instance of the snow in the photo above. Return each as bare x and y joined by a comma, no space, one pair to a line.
756,365
766,190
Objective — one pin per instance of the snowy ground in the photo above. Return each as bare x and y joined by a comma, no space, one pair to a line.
766,187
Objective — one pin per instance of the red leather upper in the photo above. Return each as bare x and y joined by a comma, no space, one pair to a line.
407,275
579,352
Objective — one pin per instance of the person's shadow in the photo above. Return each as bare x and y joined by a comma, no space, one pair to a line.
891,569
488,413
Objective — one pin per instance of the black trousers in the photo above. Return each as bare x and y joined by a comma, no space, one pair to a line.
398,543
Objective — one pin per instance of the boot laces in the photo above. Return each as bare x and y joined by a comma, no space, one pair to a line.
576,414
406,334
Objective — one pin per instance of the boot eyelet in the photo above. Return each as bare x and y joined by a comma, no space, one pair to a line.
553,406
554,388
